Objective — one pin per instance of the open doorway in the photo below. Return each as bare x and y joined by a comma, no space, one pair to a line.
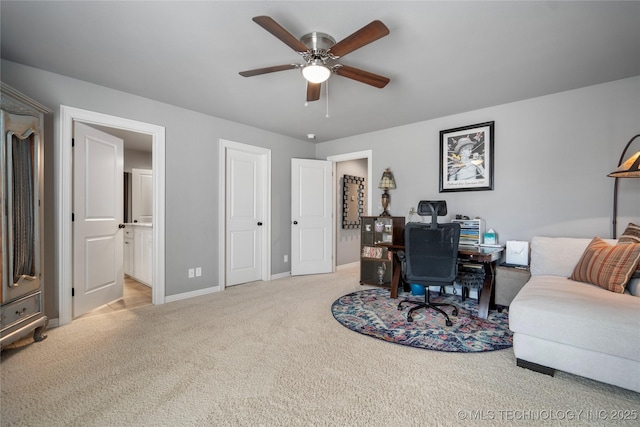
64,192
137,201
347,241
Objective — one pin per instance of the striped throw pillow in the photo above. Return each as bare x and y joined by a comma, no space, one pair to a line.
607,266
631,235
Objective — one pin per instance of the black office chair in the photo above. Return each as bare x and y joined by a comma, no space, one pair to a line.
430,257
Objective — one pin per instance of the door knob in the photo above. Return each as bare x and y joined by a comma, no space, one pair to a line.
259,223
295,222
121,226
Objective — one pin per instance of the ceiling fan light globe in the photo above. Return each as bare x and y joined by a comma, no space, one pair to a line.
316,73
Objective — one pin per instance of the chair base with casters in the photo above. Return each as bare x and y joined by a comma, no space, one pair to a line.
428,305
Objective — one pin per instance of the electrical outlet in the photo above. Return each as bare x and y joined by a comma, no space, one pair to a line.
286,258
198,271
191,273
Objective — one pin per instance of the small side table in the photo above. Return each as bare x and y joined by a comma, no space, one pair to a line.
509,280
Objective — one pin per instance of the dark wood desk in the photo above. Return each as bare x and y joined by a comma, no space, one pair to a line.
487,256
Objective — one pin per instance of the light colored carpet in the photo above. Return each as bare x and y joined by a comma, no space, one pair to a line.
271,354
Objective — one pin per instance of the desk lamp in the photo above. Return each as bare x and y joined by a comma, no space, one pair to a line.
387,182
630,168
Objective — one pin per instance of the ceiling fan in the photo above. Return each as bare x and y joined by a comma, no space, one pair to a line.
320,52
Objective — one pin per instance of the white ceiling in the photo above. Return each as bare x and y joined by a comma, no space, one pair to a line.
442,57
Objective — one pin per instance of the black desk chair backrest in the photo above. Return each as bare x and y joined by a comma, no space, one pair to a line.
430,256
433,208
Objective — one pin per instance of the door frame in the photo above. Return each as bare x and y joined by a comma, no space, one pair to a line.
265,153
63,159
357,155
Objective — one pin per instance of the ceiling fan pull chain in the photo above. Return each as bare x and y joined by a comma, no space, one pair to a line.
326,87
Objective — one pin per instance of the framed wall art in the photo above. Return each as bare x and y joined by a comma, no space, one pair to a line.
466,158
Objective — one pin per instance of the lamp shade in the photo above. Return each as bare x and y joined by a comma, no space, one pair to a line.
630,168
316,73
387,182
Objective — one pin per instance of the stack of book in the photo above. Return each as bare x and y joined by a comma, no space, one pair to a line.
471,231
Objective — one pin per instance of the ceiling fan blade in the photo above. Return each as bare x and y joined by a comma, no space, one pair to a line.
365,35
361,76
283,35
313,91
258,71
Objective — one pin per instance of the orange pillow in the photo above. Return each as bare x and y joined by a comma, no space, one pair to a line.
607,266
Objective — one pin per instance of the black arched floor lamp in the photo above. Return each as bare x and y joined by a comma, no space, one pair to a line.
630,168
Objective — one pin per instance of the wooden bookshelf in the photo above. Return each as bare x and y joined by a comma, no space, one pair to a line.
376,259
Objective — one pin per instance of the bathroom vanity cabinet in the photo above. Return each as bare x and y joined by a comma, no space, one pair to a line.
138,252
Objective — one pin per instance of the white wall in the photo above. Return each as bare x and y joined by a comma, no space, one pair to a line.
552,155
136,159
192,141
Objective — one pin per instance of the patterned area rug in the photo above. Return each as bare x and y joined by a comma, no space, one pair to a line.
372,312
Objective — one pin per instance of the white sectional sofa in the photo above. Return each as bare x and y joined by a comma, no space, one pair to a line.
580,328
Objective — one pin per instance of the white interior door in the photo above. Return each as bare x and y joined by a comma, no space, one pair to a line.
245,216
142,195
98,269
311,216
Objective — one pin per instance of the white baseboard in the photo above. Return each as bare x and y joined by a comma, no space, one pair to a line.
280,275
350,265
192,294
